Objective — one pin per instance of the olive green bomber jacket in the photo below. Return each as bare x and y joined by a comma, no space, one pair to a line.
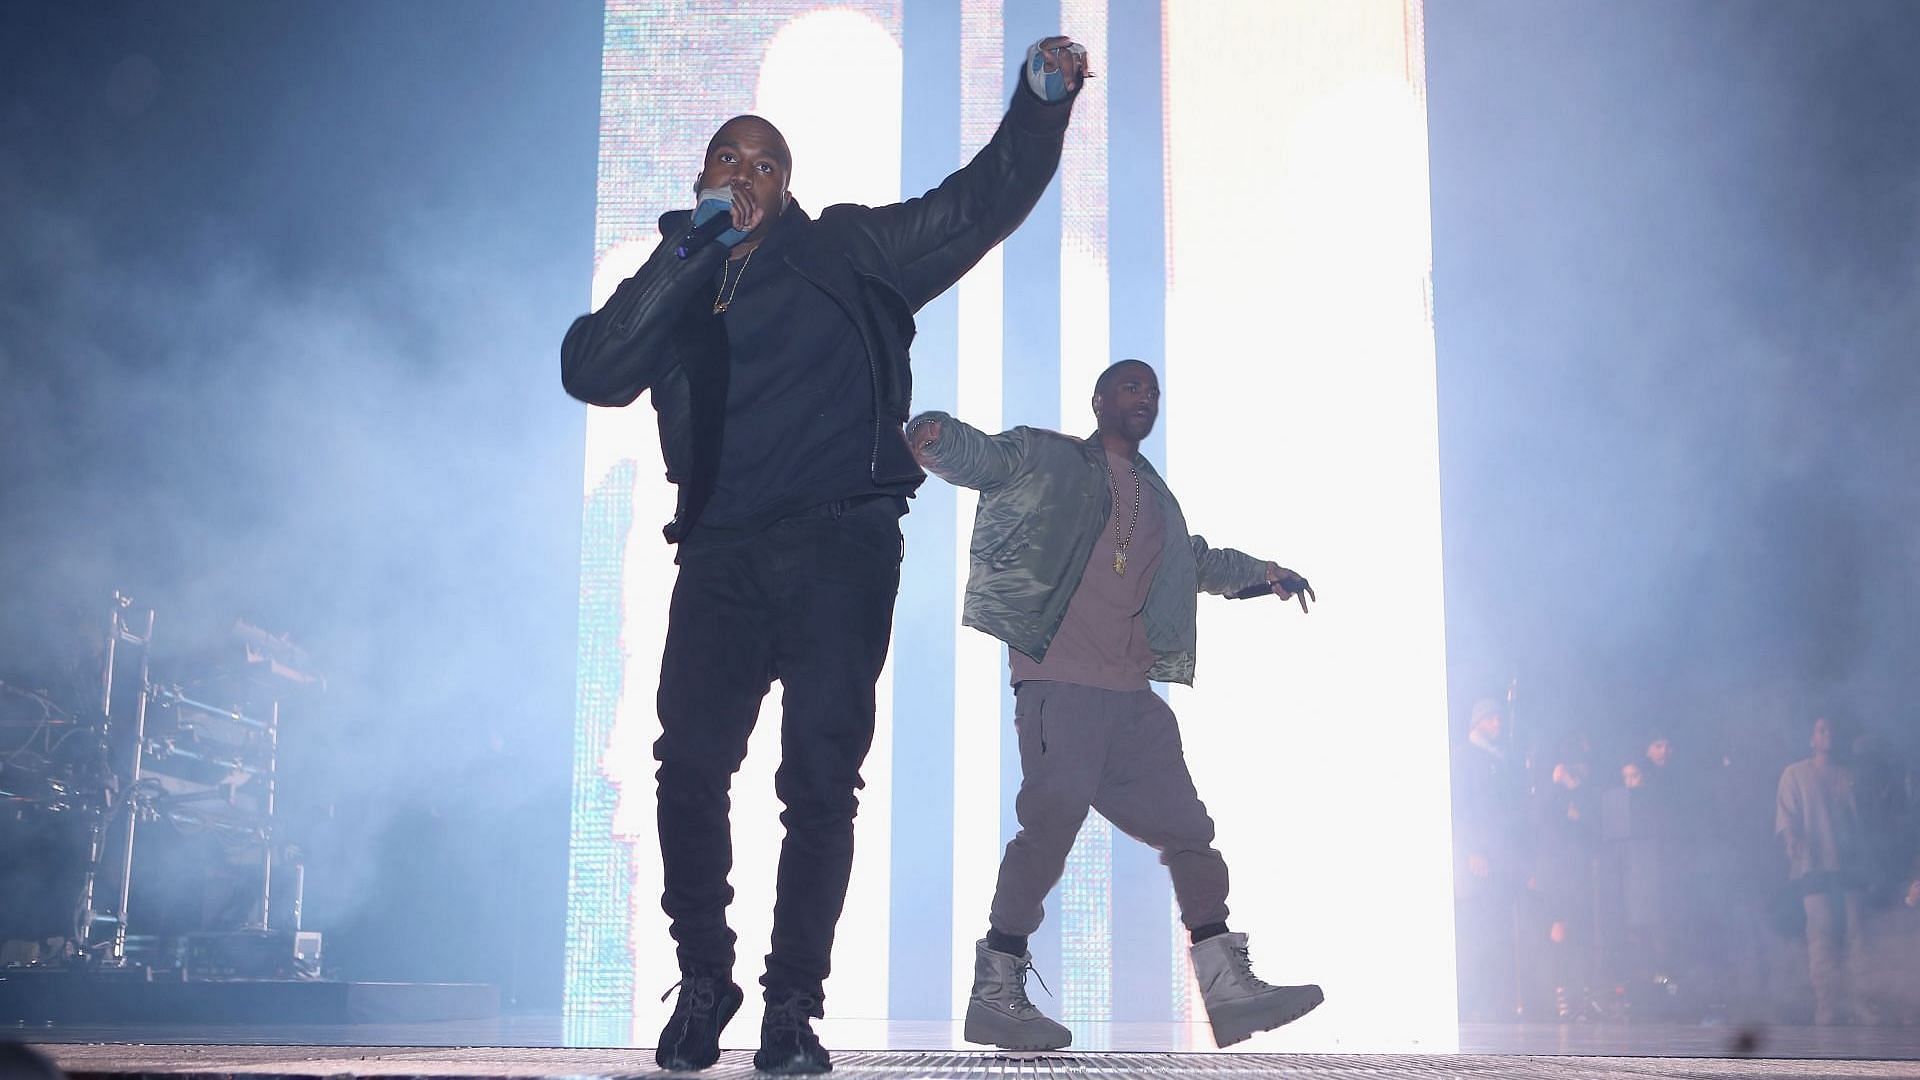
1044,504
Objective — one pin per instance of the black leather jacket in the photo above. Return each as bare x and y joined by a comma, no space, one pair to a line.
878,265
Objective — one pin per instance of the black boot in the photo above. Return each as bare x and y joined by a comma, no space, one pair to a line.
787,1043
691,1039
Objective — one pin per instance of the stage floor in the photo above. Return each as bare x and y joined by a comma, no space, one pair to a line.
88,1061
844,1035
518,1046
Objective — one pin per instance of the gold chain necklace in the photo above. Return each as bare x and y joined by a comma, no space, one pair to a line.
720,304
1121,543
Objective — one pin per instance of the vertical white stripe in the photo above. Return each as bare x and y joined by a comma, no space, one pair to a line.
1084,281
978,673
831,82
646,588
1188,1007
1306,431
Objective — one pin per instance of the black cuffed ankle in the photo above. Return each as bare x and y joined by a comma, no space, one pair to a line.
1202,933
1010,944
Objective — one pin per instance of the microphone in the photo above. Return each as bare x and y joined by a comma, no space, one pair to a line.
704,233
1265,588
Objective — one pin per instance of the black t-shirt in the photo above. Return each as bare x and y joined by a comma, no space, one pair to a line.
799,428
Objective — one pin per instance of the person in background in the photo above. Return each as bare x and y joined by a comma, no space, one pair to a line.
1489,801
1818,823
1568,819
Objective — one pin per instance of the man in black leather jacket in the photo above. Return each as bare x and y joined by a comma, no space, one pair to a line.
777,361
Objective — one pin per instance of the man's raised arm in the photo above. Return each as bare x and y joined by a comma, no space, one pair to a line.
933,240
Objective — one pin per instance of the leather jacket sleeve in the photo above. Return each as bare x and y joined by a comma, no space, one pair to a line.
933,240
611,356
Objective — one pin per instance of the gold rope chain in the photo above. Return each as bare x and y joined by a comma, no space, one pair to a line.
1120,545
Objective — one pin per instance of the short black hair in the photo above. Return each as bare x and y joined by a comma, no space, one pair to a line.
1105,380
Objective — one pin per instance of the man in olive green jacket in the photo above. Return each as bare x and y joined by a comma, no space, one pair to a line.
1081,562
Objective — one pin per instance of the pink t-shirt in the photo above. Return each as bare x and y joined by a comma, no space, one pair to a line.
1102,642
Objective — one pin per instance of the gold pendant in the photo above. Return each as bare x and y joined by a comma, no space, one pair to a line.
1120,563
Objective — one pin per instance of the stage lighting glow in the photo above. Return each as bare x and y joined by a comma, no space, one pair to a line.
1302,423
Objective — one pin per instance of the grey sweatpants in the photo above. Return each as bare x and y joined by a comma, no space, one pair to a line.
1117,751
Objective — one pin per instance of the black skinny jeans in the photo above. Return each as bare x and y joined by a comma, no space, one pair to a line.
808,601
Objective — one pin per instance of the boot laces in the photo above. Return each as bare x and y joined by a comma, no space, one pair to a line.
1244,963
1020,984
696,996
792,1013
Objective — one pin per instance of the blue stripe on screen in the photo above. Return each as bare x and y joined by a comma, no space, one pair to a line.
1030,385
920,965
1137,248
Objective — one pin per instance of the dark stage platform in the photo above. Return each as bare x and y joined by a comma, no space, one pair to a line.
110,1000
523,1046
118,1061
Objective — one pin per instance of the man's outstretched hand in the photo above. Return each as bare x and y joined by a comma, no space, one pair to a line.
1288,585
921,439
